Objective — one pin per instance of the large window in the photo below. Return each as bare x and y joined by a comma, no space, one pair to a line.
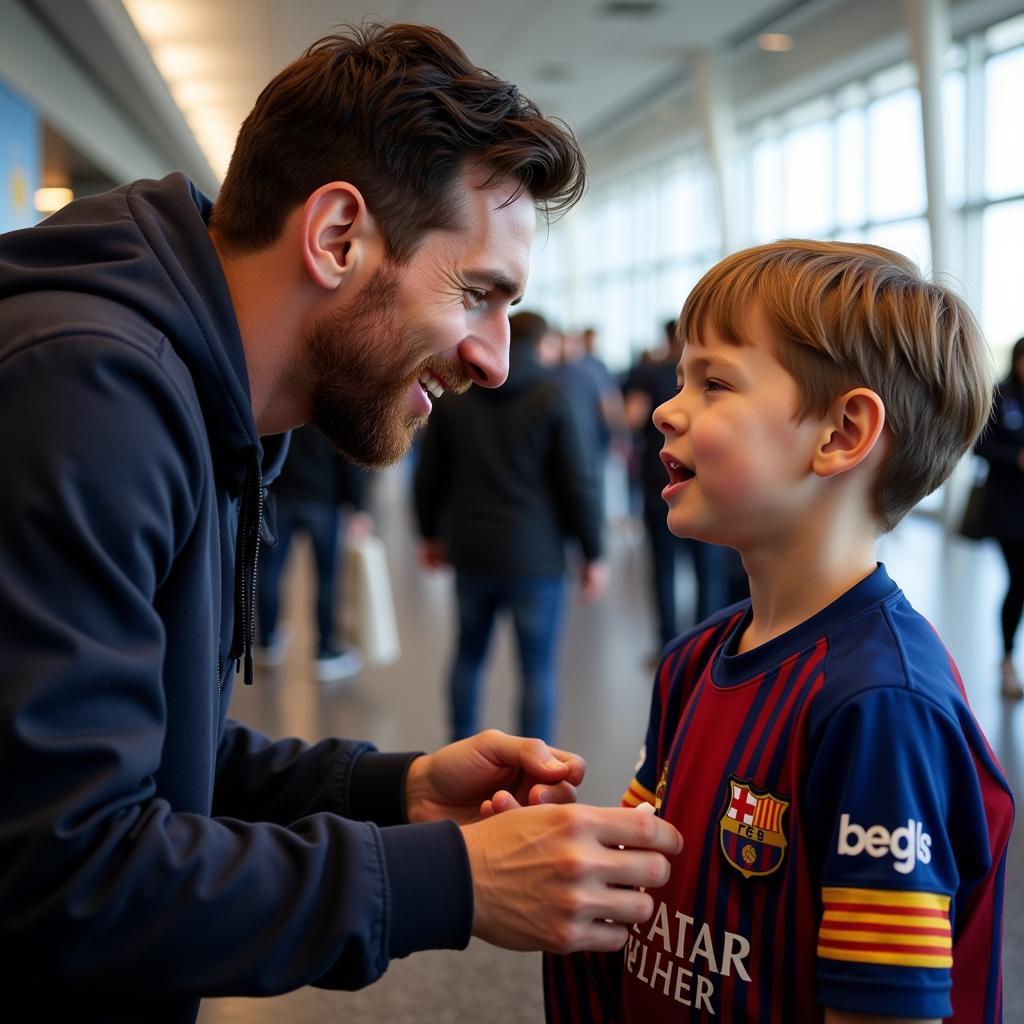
846,165
1004,127
1000,206
625,261
1002,304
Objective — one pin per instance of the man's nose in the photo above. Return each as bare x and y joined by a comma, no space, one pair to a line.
486,357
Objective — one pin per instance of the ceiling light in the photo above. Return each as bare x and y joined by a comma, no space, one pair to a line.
192,93
50,200
178,61
775,42
156,19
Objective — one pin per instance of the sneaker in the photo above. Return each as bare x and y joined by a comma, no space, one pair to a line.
1010,685
334,665
271,654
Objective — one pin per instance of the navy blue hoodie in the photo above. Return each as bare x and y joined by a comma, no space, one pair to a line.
151,851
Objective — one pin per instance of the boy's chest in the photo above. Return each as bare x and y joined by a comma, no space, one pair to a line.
720,939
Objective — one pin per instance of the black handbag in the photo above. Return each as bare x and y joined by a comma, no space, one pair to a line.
972,526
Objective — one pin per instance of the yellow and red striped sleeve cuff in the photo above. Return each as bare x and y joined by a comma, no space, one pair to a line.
637,794
879,926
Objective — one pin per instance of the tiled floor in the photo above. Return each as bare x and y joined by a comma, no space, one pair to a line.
956,584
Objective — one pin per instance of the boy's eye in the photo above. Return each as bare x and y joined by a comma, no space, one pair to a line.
713,385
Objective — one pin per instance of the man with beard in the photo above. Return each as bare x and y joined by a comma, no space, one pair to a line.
372,231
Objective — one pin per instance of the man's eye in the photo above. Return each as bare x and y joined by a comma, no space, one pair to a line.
475,296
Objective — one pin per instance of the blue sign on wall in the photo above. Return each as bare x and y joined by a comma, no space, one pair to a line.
20,159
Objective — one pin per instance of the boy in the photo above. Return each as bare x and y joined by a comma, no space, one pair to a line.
845,821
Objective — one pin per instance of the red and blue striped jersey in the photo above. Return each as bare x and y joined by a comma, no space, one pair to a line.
845,827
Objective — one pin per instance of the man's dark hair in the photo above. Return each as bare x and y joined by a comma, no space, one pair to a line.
398,111
527,329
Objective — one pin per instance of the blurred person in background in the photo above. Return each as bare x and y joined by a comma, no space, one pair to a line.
1002,446
580,350
322,494
557,353
503,482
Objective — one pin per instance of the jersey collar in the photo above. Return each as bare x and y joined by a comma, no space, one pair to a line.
731,669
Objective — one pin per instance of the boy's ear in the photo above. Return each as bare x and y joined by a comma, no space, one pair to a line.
338,236
852,429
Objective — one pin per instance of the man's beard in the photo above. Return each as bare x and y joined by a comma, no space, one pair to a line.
361,376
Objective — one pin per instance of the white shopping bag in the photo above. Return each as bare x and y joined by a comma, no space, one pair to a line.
367,608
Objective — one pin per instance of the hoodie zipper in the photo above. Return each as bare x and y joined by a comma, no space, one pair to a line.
248,558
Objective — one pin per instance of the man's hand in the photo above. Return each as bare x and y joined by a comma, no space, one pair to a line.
554,877
458,780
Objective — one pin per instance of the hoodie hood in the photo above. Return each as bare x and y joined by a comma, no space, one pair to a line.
145,246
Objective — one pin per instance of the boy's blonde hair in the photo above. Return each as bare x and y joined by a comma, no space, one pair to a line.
848,315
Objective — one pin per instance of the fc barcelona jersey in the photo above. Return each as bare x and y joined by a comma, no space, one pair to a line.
845,827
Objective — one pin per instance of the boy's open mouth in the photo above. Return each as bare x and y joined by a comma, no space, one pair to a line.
677,472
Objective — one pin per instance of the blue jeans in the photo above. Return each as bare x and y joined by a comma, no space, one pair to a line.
536,605
323,522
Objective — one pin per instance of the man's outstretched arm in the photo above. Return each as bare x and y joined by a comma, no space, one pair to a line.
555,876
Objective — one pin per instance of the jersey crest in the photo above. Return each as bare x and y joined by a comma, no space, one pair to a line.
750,830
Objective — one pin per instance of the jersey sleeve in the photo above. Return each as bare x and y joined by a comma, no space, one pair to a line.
644,784
896,823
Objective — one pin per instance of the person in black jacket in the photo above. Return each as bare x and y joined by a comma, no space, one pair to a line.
374,226
503,479
1002,446
320,493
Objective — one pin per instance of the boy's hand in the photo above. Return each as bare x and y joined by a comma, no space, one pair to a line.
458,780
566,878
503,801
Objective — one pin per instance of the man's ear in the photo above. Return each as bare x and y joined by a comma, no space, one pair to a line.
338,236
852,429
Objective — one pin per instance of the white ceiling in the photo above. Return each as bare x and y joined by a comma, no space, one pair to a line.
574,60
